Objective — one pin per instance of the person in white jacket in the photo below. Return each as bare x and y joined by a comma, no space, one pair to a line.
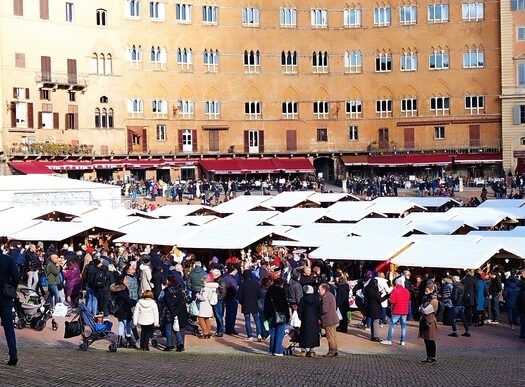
146,315
384,289
145,276
207,297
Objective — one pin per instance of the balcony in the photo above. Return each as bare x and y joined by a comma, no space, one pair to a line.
63,81
49,149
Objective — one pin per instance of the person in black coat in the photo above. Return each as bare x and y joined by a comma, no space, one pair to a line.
373,302
309,312
123,306
341,299
470,295
248,295
156,280
173,305
9,275
275,302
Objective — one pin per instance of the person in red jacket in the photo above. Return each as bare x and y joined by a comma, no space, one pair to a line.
400,301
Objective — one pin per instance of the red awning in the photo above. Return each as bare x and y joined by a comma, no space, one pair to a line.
270,165
295,165
31,168
226,166
479,158
257,166
410,159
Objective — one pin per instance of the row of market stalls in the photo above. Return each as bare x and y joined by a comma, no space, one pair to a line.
408,231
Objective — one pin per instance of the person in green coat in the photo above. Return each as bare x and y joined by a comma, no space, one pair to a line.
53,269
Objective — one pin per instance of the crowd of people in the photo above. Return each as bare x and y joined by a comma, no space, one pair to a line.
166,294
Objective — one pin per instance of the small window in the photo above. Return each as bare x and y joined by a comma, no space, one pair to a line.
183,13
72,96
104,99
383,62
288,17
289,110
322,135
440,105
161,132
409,107
407,15
20,60
44,94
69,12
353,133
101,17
382,16
439,132
438,13
352,17
384,108
521,33
210,14
522,141
321,110
319,18
354,108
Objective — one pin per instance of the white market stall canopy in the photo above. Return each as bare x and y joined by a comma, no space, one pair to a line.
332,197
157,232
299,216
352,211
289,199
243,203
361,248
51,231
497,203
314,234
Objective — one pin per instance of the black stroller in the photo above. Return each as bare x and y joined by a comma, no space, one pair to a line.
32,311
95,331
293,334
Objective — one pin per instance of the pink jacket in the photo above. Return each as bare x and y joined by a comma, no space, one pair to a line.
400,298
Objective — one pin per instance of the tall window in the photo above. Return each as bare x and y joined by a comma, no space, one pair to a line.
135,107
320,62
353,133
353,61
439,132
253,110
354,108
185,58
290,110
250,17
159,107
521,74
438,60
382,16
321,110
383,62
322,135
474,104
133,8
352,17
472,11
384,108
517,5
409,107
158,58
183,12
156,11
186,109
102,17
437,13
161,132
440,105
521,33
408,14
210,14
289,62
69,12
211,60
104,117
212,109
319,18
288,17
473,58
408,61
252,61
101,64
187,140
18,7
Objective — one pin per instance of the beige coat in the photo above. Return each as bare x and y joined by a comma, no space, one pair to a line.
428,329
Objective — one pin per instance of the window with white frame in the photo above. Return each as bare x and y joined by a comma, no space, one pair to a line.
253,110
440,105
408,61
161,132
439,132
321,110
437,13
253,141
183,12
211,60
212,109
382,16
472,11
157,11
353,133
102,17
290,110
210,14
384,108
354,108
520,34
185,58
519,117
438,60
352,17
252,61
101,64
289,62
474,104
521,74
473,58
158,58
159,107
69,12
319,18
135,107
383,62
250,17
134,55
132,8
185,109
517,5
288,17
407,14
320,62
187,140
353,61
21,113
409,107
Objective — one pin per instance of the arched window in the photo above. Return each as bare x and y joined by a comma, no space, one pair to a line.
110,118
97,118
109,64
104,118
101,64
94,63
104,99
101,17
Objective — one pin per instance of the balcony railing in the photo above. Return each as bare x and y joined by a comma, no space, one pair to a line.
45,149
61,80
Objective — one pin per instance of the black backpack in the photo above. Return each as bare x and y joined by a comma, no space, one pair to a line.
457,296
100,279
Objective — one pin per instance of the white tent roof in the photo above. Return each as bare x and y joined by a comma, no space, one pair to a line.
246,218
158,234
496,203
431,201
299,216
51,231
12,227
242,203
479,217
361,248
385,227
178,210
437,227
518,231
315,234
430,216
390,205
351,211
517,213
331,197
288,199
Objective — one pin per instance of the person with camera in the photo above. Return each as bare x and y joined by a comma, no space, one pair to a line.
9,278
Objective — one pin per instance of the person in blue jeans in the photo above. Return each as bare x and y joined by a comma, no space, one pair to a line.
174,312
9,275
248,295
53,270
230,300
274,303
218,308
400,304
458,308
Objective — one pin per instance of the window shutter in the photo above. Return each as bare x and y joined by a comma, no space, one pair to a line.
44,9
261,141
144,140
15,93
27,93
291,140
56,118
194,140
246,141
30,122
75,120
517,115
18,7
65,122
13,114
39,120
130,141
180,140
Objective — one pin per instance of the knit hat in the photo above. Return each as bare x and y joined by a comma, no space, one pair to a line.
216,273
214,259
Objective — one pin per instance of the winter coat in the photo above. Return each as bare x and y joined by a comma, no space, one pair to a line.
471,290
309,312
73,281
483,293
123,303
32,262
132,284
511,293
521,299
495,286
400,300
156,281
373,301
275,300
342,295
205,296
329,310
145,278
384,289
53,273
194,281
428,329
248,295
9,274
88,275
175,305
294,292
146,312
231,287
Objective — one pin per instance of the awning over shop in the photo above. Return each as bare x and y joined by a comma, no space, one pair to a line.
226,166
482,158
269,165
295,165
47,167
355,160
421,159
410,159
31,168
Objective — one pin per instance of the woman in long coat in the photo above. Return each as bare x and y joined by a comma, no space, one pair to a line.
174,306
428,330
309,312
373,307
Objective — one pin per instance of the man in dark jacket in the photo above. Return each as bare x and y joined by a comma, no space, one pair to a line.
294,290
230,299
88,277
495,292
218,308
248,295
471,294
521,305
9,276
329,318
194,281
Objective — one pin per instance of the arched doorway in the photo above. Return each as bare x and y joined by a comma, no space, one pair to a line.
326,166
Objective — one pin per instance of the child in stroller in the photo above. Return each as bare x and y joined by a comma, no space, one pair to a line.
97,330
32,311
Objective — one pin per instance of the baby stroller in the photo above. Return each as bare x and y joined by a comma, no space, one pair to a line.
293,334
32,311
96,330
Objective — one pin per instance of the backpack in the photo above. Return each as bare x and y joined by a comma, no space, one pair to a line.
214,299
457,295
100,279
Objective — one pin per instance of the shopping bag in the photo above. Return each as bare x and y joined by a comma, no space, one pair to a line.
294,320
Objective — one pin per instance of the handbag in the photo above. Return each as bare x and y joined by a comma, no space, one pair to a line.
43,281
8,291
176,326
73,329
339,315
193,308
278,317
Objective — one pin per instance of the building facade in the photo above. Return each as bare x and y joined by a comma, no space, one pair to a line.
354,87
